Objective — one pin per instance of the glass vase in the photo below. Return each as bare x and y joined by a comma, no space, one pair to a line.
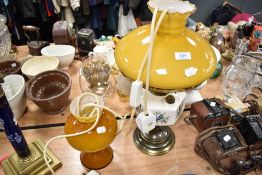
239,76
95,75
5,40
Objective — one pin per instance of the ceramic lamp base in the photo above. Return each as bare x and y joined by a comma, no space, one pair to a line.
32,165
97,160
158,141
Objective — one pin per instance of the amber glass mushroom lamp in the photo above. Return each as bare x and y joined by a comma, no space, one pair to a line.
180,60
94,145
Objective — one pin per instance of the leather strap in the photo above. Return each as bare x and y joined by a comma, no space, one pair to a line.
249,95
255,103
188,119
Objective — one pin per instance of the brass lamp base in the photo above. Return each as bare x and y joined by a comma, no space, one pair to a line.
33,164
97,160
157,142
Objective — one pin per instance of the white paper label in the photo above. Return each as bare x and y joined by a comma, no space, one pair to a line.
212,104
13,64
146,40
190,71
183,55
101,130
219,42
227,138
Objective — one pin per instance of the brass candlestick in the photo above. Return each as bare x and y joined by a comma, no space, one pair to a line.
27,159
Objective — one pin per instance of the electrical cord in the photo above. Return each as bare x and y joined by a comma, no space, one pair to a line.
146,57
141,70
149,54
153,35
90,117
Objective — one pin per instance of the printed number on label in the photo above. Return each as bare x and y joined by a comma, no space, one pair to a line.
183,55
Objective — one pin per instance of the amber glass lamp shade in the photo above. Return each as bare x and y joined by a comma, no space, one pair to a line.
181,59
96,152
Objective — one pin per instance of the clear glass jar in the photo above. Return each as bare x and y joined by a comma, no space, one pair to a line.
258,77
94,75
240,75
5,40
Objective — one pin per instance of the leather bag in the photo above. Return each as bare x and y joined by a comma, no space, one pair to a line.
226,150
208,113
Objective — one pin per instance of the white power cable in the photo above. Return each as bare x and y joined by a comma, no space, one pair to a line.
146,54
150,55
140,72
145,58
150,50
97,106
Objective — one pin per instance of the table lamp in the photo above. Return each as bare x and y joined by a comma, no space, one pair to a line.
94,145
27,159
181,60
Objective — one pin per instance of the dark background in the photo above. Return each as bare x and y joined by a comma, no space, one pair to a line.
205,7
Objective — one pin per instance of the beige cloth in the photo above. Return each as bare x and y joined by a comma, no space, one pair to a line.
66,13
125,23
64,3
56,4
75,4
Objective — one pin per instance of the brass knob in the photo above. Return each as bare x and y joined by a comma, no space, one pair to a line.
170,99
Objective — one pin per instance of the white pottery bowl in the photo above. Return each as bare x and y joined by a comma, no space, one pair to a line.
14,88
39,64
65,54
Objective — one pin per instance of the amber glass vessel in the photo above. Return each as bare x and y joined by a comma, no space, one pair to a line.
96,152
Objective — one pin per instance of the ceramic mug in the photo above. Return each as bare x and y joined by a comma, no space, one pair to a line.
14,88
107,52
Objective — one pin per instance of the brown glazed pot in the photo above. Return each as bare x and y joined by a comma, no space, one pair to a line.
50,90
10,67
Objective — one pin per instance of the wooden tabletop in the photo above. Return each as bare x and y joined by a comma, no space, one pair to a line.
127,158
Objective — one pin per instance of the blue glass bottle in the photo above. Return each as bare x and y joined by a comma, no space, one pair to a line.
11,128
